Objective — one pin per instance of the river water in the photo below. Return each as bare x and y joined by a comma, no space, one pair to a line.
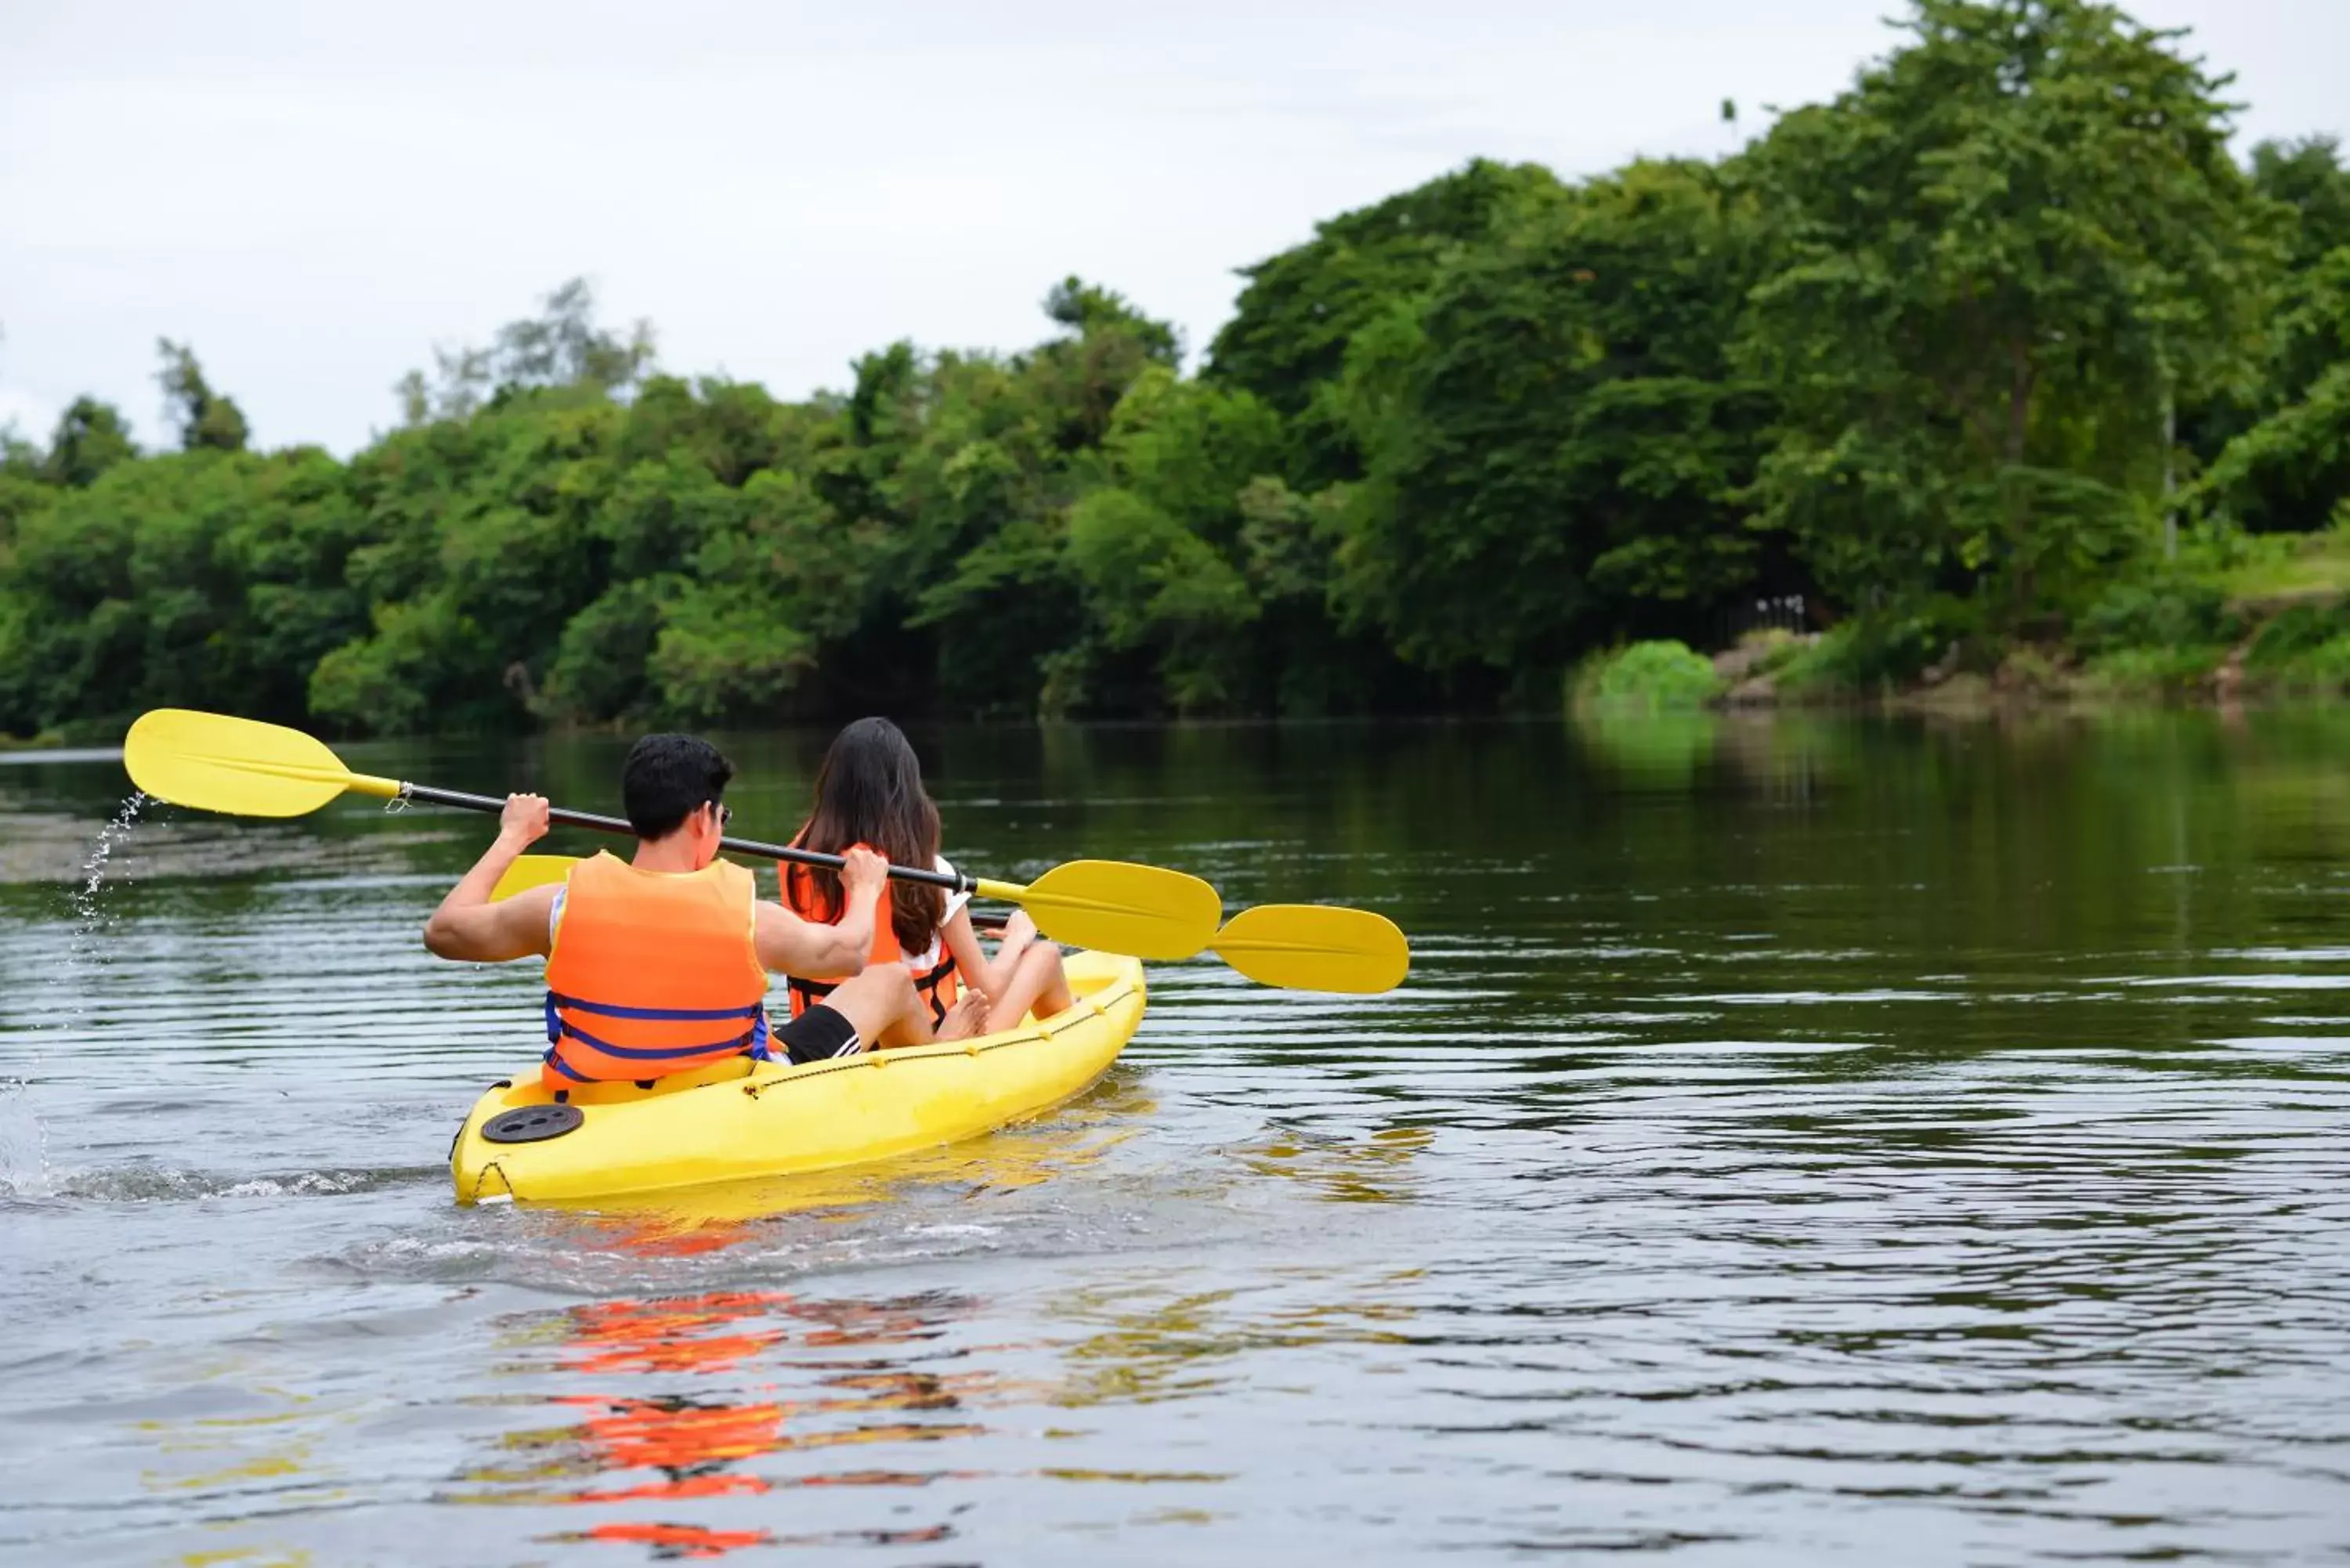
1799,1141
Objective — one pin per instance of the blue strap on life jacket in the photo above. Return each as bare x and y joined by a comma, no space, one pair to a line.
554,1059
660,1053
652,1014
753,1044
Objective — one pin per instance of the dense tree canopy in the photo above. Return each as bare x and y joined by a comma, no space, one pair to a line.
1554,442
1951,347
1996,260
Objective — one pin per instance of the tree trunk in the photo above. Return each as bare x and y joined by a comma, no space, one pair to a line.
2022,378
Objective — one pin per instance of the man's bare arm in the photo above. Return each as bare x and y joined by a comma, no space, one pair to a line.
789,945
467,926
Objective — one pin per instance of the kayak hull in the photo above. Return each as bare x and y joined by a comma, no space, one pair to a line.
742,1120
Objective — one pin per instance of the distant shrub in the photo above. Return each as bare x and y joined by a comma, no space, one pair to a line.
2322,667
1772,649
1825,669
2168,613
1887,647
2327,666
2295,632
2151,671
1647,677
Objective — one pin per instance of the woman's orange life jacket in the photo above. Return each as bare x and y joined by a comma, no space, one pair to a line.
653,972
934,971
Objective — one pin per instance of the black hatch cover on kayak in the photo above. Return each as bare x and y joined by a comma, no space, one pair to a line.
532,1124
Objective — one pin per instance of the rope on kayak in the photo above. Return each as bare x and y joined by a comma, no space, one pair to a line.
1086,1007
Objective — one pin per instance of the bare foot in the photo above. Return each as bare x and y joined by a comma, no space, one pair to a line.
966,1018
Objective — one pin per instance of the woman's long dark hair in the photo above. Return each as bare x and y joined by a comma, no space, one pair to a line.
870,791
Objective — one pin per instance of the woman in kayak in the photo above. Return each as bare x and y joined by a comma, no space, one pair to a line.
659,964
869,791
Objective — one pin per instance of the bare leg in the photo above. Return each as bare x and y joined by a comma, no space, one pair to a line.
1036,982
884,1006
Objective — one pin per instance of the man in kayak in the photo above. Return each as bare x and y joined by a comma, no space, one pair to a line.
659,964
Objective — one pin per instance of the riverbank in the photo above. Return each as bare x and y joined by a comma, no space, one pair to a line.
2266,620
2294,651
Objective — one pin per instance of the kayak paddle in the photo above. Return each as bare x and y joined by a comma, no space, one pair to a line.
247,768
1296,947
1314,947
1307,946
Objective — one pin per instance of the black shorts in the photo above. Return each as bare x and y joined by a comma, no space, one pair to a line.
817,1035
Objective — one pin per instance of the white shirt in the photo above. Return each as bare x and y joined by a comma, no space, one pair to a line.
928,957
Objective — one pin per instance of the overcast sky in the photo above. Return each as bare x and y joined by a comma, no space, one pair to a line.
314,193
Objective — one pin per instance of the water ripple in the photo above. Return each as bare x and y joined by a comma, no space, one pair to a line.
1689,1199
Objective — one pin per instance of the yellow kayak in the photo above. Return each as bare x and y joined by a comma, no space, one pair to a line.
743,1119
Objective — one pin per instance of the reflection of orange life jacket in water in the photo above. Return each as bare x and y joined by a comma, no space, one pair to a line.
933,972
653,972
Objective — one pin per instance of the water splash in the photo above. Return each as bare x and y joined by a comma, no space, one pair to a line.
93,869
24,1136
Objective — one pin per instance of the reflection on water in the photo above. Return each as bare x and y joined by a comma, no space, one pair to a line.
1800,1140
1376,1169
1142,1346
659,1431
1657,749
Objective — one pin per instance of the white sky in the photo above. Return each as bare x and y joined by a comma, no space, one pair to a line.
314,193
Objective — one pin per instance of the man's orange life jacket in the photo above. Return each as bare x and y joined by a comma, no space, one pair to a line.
934,971
653,972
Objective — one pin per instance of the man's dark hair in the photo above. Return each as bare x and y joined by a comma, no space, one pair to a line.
665,777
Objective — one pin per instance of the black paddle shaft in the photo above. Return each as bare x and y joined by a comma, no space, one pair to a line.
952,881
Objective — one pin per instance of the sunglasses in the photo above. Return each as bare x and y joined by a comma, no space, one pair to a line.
725,814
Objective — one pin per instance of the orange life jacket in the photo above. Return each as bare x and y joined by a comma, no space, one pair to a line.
937,982
653,972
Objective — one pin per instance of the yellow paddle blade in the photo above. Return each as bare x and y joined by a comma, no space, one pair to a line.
1145,911
530,872
1313,947
214,762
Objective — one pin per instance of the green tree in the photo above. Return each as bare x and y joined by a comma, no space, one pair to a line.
1300,311
2278,450
482,545
561,347
1108,347
91,439
196,579
1087,309
986,460
205,418
764,602
2290,469
2311,189
19,458
1158,548
1555,446
2003,252
2306,176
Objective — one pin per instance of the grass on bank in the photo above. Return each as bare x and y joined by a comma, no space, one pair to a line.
2253,568
2277,605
